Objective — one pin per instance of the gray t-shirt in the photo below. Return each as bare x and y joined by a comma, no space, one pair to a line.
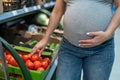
82,16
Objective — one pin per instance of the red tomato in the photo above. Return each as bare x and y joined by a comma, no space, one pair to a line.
6,61
37,51
7,57
34,57
19,76
40,58
12,62
6,52
37,64
26,57
29,64
40,69
44,64
46,59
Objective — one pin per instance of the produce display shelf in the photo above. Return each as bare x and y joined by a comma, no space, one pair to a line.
25,11
11,15
14,14
45,75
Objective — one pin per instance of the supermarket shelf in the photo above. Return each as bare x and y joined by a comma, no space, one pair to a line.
12,15
52,69
16,14
8,16
48,5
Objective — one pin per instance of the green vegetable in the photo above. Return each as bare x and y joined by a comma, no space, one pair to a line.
44,53
41,19
21,48
52,46
33,43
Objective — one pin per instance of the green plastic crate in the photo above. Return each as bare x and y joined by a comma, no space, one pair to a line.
1,71
16,74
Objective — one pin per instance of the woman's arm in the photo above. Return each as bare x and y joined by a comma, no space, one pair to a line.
55,17
115,21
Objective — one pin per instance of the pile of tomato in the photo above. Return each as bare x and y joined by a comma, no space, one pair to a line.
32,62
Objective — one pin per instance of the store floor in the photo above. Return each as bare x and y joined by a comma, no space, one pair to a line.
115,75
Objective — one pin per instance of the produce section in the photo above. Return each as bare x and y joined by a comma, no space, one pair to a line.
35,64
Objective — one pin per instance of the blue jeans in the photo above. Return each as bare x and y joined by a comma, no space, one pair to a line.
96,62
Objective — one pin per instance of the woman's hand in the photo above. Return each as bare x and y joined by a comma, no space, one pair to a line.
98,38
40,45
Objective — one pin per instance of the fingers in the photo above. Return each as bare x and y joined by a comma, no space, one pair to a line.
86,43
97,39
92,34
41,51
33,50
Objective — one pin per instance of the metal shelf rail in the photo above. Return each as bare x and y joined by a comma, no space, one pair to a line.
11,15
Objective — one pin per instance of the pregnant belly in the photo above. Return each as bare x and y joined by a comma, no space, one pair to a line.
78,21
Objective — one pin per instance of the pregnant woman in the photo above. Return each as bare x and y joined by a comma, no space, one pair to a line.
88,40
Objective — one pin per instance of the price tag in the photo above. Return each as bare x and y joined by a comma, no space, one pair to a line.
14,13
35,8
38,6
